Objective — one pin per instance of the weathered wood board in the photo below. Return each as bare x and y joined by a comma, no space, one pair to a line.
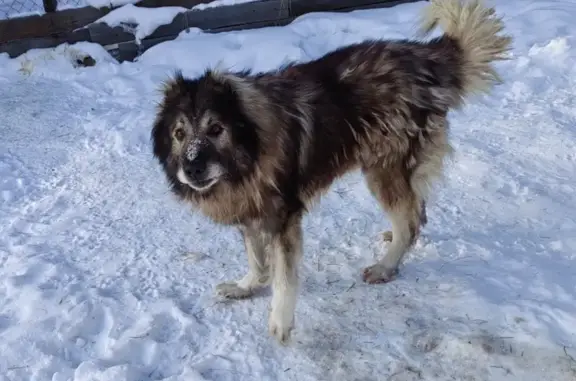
77,25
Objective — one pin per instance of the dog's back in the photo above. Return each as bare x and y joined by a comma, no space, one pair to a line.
384,103
373,102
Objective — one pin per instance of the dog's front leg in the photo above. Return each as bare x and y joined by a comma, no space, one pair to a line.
285,257
258,267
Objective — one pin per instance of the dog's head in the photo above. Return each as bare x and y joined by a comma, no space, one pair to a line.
202,135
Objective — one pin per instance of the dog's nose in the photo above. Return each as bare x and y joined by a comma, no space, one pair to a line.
195,168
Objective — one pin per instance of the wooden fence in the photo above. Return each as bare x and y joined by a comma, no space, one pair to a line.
73,25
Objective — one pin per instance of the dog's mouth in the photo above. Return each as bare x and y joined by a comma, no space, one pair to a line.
198,185
202,185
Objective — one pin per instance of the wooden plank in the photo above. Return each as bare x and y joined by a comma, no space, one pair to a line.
171,3
67,20
255,25
301,7
263,13
246,13
18,47
103,34
178,24
266,14
125,51
50,24
121,44
388,4
128,51
24,27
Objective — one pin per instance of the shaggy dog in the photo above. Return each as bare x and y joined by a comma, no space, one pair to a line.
255,150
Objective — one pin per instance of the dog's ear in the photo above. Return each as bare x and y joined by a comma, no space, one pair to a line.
251,100
221,82
174,88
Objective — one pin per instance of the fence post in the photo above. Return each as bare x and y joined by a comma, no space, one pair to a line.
50,5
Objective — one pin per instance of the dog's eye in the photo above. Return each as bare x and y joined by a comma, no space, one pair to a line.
214,130
179,134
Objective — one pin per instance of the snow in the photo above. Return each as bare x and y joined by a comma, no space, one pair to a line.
220,3
105,276
141,22
108,3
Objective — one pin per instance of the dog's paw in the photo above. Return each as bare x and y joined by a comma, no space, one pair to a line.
280,327
387,236
231,290
379,273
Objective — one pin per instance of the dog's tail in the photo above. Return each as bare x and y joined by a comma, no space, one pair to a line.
474,28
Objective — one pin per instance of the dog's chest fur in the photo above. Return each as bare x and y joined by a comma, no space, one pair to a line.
240,206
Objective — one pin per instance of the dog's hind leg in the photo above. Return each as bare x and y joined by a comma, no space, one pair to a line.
403,192
396,196
387,235
258,275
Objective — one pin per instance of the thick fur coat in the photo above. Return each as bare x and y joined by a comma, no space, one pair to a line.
255,150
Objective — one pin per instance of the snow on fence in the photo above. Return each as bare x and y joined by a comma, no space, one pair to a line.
129,30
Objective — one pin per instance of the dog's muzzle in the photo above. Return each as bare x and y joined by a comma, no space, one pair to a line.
195,170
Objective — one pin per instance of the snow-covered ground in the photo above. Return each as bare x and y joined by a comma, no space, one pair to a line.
105,277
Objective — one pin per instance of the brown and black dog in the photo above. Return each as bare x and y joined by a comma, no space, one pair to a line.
255,150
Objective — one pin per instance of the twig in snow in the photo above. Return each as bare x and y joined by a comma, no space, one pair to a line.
151,373
407,368
18,367
194,256
459,259
572,360
351,286
508,371
410,368
569,355
230,371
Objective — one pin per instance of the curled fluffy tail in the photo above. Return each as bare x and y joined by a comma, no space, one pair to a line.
475,28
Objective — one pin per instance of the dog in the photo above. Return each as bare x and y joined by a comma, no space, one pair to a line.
256,150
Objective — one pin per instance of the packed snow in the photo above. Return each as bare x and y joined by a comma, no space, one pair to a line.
105,276
105,3
221,3
140,21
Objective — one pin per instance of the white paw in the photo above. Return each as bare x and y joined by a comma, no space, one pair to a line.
280,326
379,273
231,290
